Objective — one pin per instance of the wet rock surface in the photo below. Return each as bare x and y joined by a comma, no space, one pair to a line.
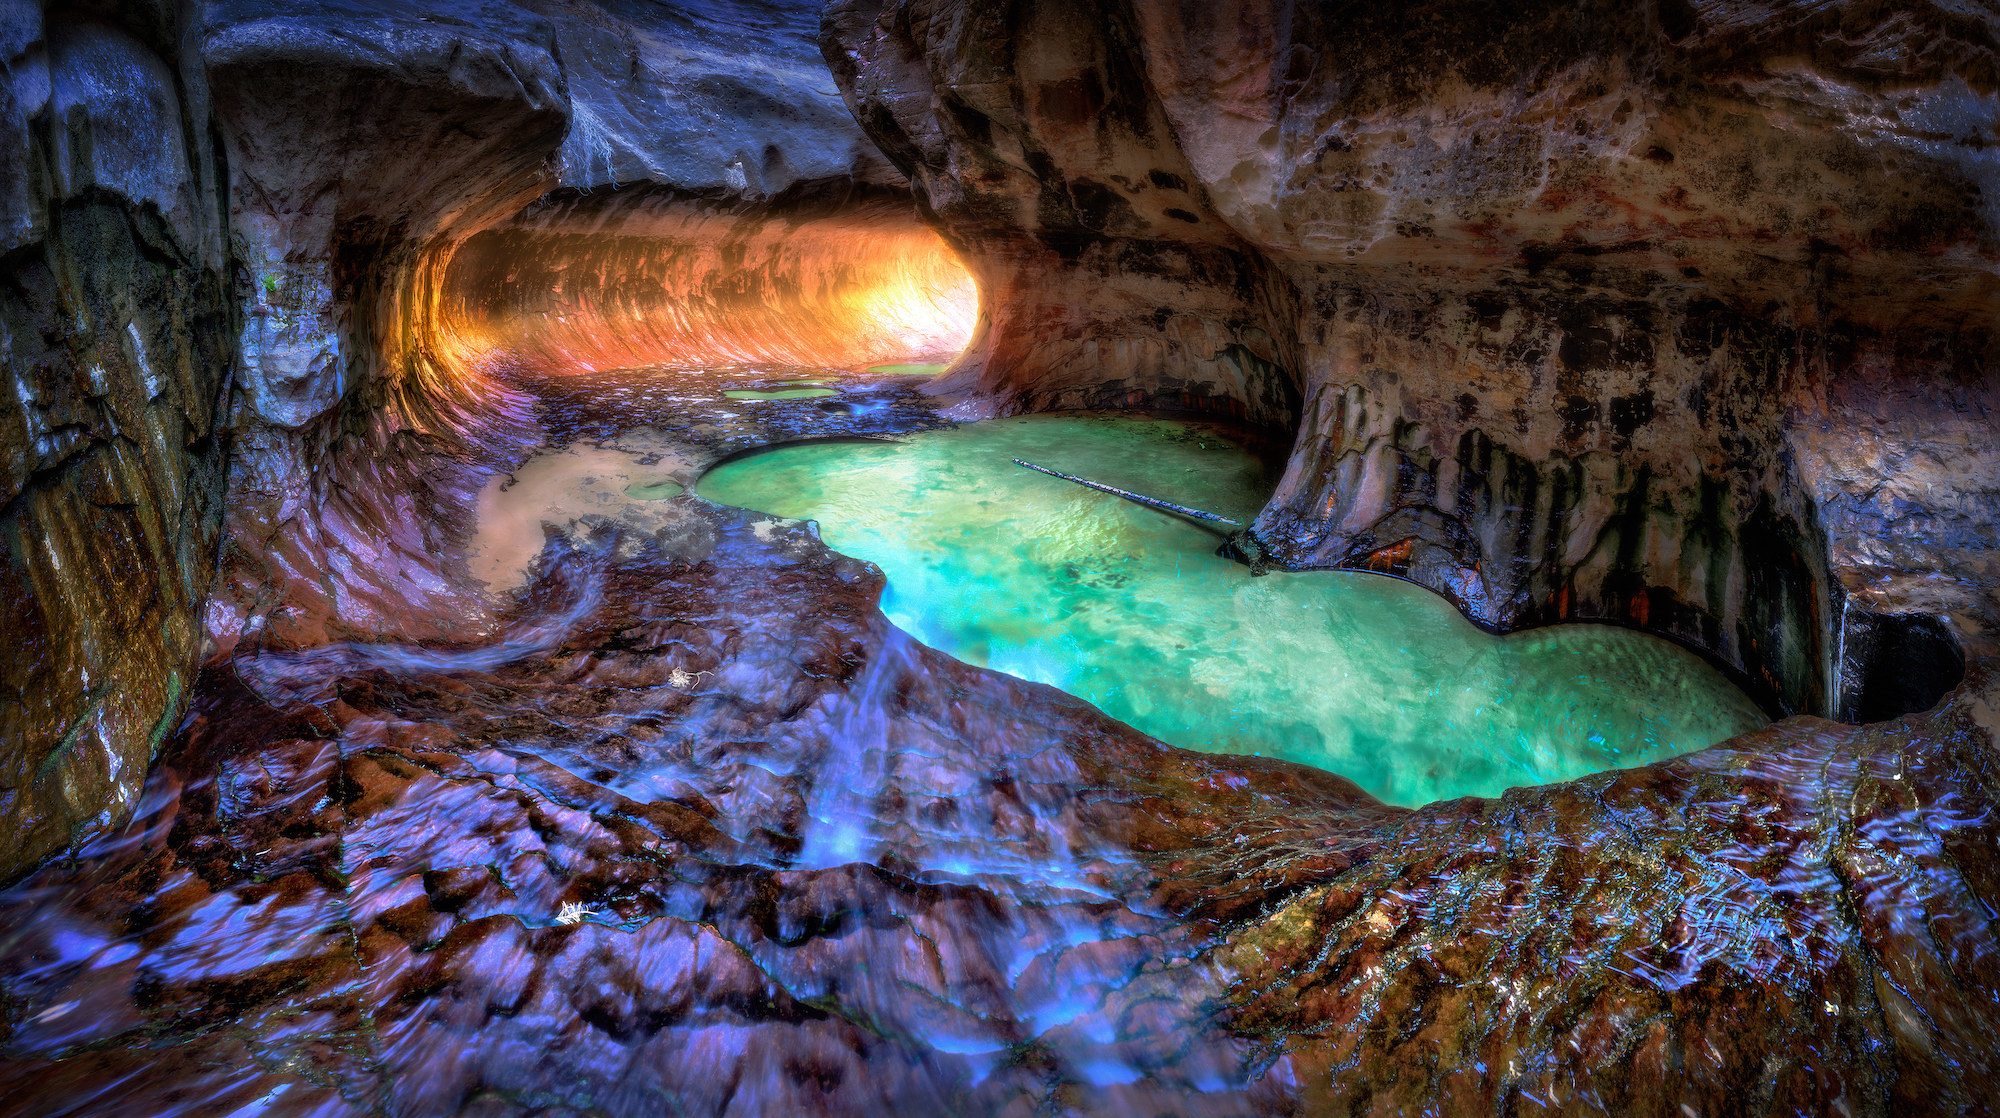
369,142
701,832
684,826
1583,311
676,755
117,332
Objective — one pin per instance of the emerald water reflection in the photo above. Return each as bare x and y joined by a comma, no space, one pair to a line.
1370,677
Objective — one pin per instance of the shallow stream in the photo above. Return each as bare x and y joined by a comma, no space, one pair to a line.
1373,678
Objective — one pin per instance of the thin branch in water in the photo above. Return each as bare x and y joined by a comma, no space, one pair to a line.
1149,502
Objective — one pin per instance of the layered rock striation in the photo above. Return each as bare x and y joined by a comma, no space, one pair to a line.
1675,314
117,330
365,155
1582,311
721,840
360,154
835,274
232,222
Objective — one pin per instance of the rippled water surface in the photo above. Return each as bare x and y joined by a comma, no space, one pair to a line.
1373,678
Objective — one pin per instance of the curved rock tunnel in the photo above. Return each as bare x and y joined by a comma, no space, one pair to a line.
1675,316
635,281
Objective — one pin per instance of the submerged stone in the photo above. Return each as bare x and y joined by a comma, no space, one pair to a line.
778,393
654,491
1373,678
573,488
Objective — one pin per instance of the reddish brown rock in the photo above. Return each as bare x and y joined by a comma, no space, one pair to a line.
117,336
810,865
366,149
1581,311
685,826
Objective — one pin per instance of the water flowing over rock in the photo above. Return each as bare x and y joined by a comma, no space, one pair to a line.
457,758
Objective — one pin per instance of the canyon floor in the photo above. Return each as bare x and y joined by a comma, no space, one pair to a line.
702,833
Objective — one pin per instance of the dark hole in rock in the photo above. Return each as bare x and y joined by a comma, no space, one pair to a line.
1896,664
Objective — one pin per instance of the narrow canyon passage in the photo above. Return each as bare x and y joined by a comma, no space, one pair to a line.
577,285
526,602
696,744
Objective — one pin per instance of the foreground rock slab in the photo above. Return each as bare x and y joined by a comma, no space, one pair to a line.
700,833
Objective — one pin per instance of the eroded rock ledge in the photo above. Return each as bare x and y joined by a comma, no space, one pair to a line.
1583,311
117,330
823,869
427,850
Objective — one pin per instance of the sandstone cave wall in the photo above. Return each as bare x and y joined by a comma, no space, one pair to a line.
258,201
364,145
1694,333
830,273
1031,138
1600,311
370,145
117,331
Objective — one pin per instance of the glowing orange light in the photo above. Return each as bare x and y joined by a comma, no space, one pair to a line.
691,289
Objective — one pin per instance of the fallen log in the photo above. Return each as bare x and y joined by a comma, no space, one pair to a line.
1242,544
1149,502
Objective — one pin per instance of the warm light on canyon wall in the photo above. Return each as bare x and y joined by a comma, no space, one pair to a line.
584,284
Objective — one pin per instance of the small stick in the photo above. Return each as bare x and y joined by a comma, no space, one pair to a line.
1150,502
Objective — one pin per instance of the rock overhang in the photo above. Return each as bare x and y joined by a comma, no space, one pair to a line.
1643,410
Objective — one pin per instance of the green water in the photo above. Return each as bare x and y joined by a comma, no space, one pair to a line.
908,370
778,393
1370,677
